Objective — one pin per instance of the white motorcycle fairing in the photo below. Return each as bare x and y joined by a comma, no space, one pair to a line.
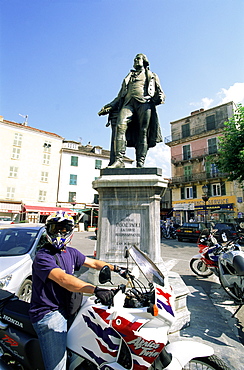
99,333
184,351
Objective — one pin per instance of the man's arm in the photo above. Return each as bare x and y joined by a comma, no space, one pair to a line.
70,282
74,284
96,264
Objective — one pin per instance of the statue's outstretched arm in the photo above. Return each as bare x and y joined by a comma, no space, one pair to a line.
113,104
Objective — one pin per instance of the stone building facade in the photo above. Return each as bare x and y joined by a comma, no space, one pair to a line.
194,143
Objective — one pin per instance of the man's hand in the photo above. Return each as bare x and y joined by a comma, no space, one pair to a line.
105,296
122,271
105,110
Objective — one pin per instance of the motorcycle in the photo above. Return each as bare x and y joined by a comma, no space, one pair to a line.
205,263
168,231
129,334
226,261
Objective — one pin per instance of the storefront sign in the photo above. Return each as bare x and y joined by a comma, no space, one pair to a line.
212,203
183,207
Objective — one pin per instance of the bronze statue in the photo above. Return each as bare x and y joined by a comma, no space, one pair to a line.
132,114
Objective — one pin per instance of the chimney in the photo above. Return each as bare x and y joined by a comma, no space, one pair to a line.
197,111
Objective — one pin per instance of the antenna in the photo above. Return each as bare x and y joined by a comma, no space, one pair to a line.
26,119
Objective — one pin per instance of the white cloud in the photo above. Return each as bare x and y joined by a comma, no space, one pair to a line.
206,103
234,93
159,156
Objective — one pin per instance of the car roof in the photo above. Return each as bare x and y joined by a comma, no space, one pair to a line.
193,223
22,225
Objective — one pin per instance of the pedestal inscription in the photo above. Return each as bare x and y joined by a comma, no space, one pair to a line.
126,228
127,231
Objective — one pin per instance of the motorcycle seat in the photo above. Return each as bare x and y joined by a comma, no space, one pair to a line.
5,295
16,312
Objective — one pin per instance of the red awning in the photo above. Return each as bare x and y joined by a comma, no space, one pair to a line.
48,210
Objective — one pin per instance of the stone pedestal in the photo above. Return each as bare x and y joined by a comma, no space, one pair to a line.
129,214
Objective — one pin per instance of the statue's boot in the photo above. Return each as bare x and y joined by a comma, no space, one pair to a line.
119,155
141,152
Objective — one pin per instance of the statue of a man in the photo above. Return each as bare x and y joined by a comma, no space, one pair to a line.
133,114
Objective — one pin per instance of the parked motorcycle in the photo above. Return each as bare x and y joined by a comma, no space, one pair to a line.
131,333
168,231
224,260
205,263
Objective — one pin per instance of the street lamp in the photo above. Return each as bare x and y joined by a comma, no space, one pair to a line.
205,198
73,202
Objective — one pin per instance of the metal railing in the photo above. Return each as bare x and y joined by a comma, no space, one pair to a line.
193,155
200,176
197,130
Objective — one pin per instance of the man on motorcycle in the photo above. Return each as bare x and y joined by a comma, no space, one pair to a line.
53,279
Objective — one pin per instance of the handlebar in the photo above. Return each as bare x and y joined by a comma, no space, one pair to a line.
121,287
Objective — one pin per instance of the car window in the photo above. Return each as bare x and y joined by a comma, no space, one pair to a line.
224,227
42,241
190,224
14,242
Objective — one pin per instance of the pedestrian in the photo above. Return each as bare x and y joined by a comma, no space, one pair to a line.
53,282
137,121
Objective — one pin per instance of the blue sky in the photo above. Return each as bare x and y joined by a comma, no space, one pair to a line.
62,60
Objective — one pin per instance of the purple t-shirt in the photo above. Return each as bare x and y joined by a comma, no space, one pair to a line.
46,294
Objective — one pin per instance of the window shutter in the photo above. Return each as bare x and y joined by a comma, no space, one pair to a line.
182,193
185,130
223,190
210,120
209,190
194,188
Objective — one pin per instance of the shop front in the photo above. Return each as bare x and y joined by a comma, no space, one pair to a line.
220,209
11,210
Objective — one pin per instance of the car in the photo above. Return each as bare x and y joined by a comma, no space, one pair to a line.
18,246
190,231
5,220
229,228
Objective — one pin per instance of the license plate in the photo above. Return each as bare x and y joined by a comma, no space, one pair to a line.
188,231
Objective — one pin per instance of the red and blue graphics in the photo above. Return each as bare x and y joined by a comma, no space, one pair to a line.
143,352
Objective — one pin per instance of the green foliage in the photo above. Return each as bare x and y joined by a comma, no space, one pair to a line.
231,147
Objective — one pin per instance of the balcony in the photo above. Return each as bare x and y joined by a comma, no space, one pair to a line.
193,131
193,155
179,135
198,177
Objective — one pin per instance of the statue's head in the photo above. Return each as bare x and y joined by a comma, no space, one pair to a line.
144,59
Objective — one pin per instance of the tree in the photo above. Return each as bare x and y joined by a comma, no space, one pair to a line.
231,147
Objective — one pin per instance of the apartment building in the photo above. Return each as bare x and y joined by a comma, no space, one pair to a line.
30,169
41,172
194,143
80,166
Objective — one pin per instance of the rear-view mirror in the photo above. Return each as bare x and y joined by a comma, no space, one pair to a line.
105,275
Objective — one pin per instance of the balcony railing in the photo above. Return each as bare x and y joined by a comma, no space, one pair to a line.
197,130
196,154
200,176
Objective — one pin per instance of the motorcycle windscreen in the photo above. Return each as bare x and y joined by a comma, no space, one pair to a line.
146,266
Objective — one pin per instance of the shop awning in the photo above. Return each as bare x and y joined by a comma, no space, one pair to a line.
90,210
47,210
223,211
10,207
